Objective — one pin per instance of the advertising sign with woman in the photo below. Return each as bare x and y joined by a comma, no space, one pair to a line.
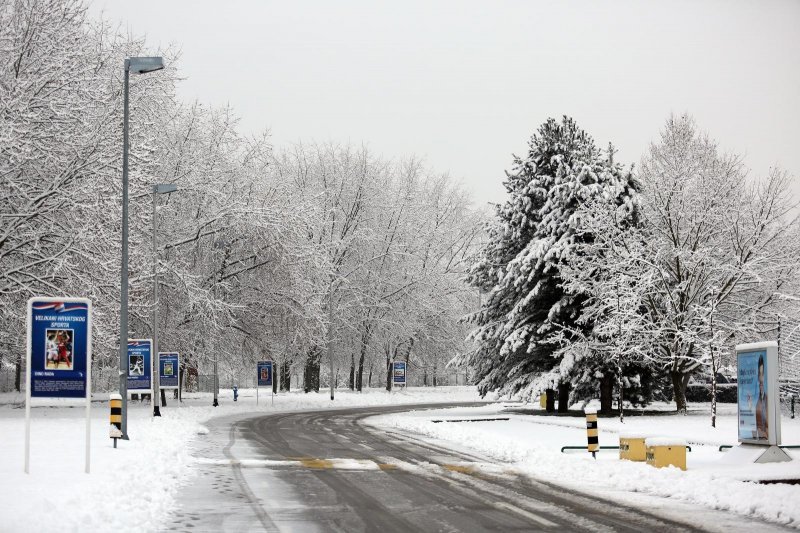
758,420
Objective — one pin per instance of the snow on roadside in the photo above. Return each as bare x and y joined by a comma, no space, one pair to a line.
531,444
133,487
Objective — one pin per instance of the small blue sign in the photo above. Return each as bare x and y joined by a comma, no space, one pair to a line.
399,372
140,367
168,370
59,347
264,369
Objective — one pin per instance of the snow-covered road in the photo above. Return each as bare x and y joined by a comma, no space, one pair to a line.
328,471
243,466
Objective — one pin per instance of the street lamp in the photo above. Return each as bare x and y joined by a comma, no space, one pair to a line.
218,244
330,335
163,188
137,65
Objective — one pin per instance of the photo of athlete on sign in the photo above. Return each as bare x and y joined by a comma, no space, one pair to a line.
58,349
136,365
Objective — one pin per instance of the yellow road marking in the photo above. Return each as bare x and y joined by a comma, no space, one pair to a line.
317,464
461,469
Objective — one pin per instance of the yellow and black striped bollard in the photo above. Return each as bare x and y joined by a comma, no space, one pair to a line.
115,430
591,431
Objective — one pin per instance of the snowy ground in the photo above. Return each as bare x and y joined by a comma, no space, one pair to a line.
131,488
531,444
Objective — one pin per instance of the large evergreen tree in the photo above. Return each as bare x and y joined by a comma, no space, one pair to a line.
534,234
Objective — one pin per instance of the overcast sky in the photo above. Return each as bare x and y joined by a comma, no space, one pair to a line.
465,84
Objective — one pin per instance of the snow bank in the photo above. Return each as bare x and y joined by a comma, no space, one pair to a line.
532,445
133,487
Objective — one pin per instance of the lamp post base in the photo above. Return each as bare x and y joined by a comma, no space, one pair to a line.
156,411
216,403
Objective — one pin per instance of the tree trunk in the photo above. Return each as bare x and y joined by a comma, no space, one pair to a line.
286,377
388,372
365,336
181,378
352,381
679,383
550,400
312,371
607,393
425,376
713,398
563,397
18,375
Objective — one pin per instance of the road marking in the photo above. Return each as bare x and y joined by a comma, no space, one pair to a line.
317,464
461,469
527,514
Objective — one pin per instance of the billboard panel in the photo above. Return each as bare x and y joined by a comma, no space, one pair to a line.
59,347
168,370
399,372
758,407
264,373
140,367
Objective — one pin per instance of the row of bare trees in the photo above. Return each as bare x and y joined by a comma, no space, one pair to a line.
262,253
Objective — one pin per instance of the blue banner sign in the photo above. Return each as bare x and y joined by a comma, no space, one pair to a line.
140,368
59,347
264,370
168,370
399,372
754,401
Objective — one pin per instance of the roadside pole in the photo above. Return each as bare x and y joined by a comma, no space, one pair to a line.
330,334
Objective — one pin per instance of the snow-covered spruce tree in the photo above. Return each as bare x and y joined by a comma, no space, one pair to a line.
533,236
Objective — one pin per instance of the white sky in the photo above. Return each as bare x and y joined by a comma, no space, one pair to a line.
464,84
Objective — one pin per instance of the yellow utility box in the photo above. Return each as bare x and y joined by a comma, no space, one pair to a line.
662,451
543,401
631,447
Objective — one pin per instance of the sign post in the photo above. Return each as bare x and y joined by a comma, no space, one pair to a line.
59,357
759,415
140,367
264,375
399,373
168,370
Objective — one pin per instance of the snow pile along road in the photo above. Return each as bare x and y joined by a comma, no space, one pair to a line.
133,487
532,445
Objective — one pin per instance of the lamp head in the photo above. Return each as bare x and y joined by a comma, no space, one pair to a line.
164,188
143,65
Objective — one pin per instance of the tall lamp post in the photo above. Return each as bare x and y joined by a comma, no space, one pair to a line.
162,188
330,335
218,244
137,65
